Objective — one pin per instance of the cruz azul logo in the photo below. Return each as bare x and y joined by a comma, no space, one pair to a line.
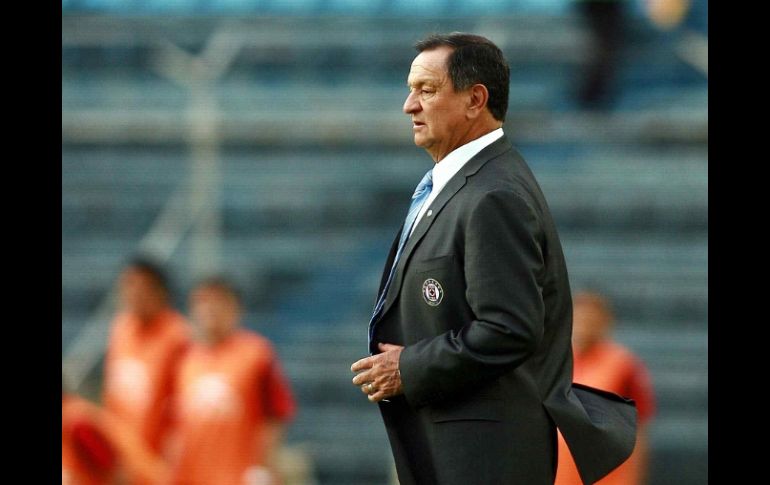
432,292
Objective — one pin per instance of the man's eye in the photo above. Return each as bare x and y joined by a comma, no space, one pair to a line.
426,91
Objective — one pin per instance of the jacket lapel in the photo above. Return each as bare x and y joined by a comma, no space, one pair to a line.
389,263
450,189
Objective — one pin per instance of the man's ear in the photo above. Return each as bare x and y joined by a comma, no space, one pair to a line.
477,100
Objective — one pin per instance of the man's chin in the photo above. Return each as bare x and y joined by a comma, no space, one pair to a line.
420,141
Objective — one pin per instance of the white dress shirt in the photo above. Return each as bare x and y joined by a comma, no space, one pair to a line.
452,163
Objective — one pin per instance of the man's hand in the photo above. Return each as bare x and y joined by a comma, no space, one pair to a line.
378,375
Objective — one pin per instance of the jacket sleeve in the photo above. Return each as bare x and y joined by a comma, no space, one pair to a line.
503,264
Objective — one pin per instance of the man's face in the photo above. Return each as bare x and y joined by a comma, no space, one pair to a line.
140,294
214,311
438,112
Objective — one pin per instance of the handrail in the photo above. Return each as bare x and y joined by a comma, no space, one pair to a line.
693,48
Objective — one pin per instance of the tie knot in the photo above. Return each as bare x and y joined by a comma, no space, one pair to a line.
425,184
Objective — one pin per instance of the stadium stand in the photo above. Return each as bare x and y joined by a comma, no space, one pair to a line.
315,161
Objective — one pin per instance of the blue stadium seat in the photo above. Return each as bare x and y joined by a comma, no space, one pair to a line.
352,7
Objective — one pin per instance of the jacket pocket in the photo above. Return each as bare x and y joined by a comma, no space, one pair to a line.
433,264
478,409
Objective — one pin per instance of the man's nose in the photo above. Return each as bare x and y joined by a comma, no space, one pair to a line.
411,105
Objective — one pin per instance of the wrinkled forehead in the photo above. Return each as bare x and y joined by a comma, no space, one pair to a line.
429,66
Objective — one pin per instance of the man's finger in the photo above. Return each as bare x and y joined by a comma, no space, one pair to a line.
377,396
387,347
361,378
365,363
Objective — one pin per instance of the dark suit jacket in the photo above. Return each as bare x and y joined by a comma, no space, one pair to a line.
481,300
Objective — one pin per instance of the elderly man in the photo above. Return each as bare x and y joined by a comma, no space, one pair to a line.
471,363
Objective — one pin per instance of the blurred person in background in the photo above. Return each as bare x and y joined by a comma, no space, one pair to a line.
667,14
147,340
233,402
99,449
87,455
607,23
607,29
605,364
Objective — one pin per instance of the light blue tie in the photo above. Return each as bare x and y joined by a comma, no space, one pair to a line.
419,197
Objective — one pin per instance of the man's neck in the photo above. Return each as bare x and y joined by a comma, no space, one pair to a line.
149,319
213,340
474,133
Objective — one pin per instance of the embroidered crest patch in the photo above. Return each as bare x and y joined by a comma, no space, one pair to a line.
432,292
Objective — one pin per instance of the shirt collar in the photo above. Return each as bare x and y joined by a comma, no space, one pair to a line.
452,163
